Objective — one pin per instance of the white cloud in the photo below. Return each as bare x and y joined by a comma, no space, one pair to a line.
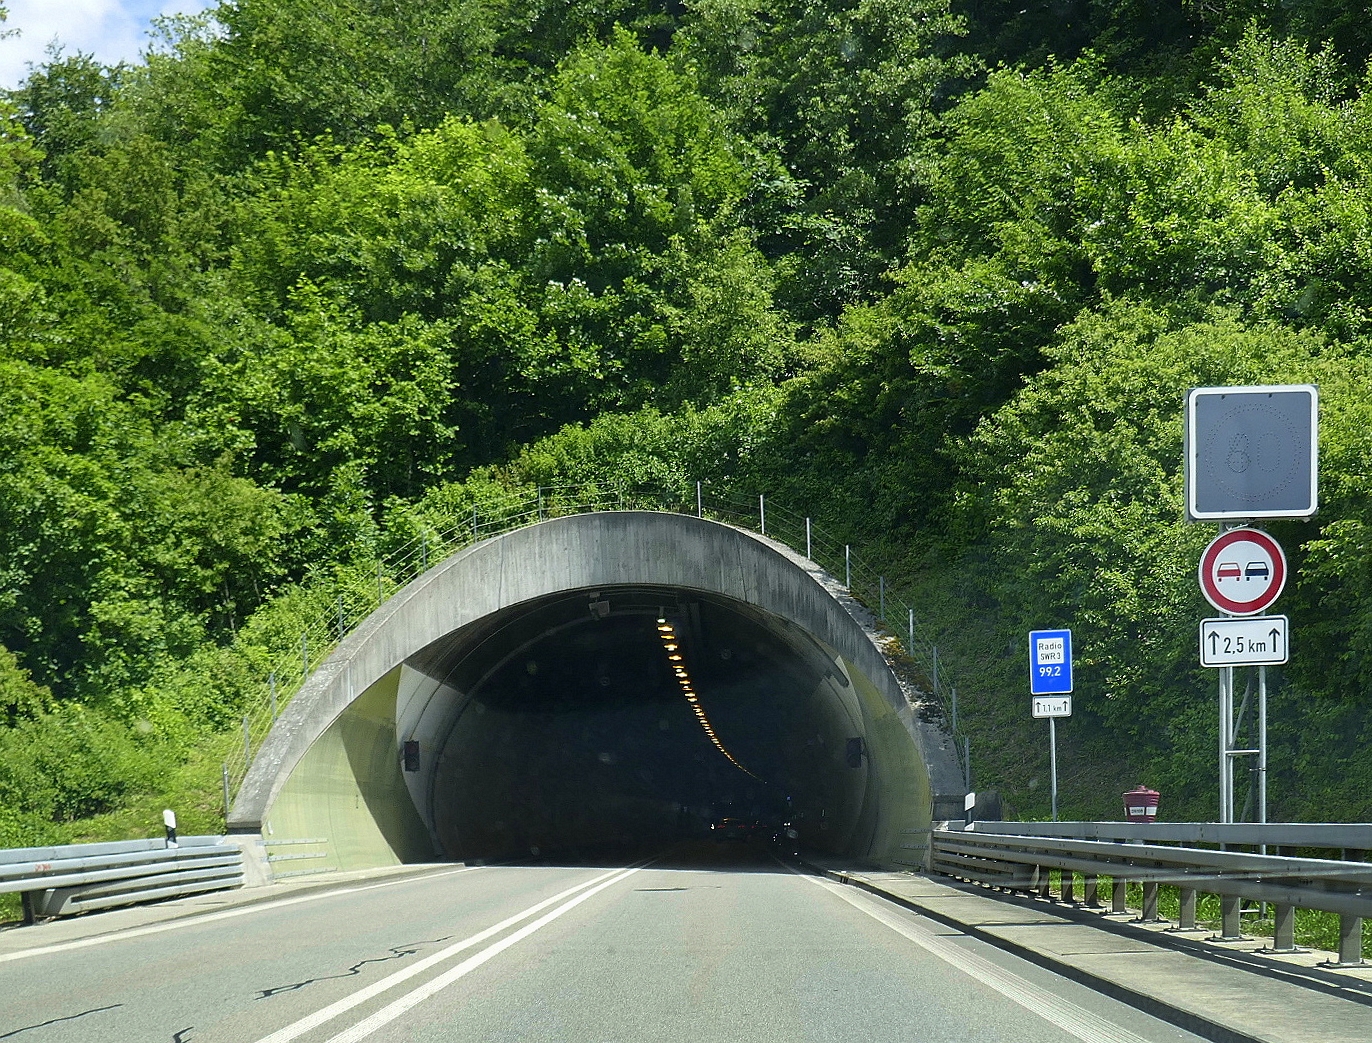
112,30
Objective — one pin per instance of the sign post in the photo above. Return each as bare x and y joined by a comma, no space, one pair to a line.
1250,453
1050,684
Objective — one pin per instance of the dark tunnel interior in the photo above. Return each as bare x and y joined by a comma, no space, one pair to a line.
609,721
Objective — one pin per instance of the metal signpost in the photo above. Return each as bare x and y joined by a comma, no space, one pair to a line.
1050,685
1251,453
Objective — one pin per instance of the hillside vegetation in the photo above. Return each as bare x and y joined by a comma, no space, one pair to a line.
318,276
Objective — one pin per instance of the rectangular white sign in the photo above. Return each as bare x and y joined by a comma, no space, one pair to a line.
1251,641
1052,706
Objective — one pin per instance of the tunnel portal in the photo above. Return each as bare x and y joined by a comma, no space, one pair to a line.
599,684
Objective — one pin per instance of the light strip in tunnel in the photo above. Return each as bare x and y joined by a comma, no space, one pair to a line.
669,642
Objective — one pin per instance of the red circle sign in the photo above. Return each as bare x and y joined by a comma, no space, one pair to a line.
1242,571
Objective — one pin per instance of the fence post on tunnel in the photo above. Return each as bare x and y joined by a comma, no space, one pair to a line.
700,507
247,743
881,586
226,790
848,567
910,647
808,555
762,514
272,682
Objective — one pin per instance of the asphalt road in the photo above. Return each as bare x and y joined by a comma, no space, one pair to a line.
719,942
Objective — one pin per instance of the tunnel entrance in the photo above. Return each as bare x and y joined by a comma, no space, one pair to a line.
632,717
598,682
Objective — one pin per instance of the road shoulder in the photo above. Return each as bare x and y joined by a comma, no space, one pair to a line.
1223,996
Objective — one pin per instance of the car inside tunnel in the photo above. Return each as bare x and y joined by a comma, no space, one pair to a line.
621,720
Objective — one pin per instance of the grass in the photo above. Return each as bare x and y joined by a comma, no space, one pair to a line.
1314,928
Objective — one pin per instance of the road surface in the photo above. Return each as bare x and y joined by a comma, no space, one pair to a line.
718,942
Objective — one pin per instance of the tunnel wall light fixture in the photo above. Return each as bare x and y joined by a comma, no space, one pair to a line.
667,632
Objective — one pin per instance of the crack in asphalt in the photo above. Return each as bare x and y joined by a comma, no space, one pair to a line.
397,952
55,1021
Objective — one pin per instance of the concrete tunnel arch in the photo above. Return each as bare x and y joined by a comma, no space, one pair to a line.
450,663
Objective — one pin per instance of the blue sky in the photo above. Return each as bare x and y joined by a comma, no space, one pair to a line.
112,30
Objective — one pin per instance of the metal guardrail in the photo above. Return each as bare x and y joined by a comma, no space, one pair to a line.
1018,856
78,878
1330,836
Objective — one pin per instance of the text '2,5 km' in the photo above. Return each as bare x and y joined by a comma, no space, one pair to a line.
1256,641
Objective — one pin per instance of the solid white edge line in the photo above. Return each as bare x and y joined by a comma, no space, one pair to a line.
194,920
1066,1015
333,1010
399,1006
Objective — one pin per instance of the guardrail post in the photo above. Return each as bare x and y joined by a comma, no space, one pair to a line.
1117,893
1350,941
1284,928
1186,917
1069,881
1091,889
1231,923
1150,903
1045,882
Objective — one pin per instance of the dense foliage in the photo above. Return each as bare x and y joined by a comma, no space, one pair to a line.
317,276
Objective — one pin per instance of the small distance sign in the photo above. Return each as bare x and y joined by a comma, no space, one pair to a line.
1242,572
1255,641
1050,662
1052,706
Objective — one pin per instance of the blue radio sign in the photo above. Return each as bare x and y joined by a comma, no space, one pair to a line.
1050,662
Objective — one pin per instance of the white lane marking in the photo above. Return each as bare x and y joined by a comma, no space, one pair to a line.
397,1007
333,1010
1068,1016
226,914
